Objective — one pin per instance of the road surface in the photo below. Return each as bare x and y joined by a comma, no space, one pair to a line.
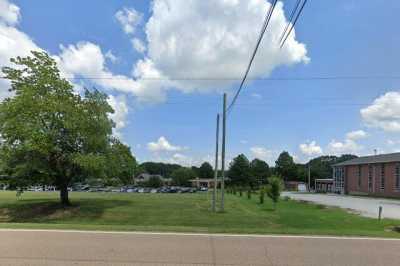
365,206
41,247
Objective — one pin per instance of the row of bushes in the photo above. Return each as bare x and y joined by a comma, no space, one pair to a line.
272,190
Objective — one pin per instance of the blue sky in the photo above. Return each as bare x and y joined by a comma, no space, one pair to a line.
174,121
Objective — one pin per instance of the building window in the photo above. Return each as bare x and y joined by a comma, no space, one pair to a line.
359,176
397,177
339,179
370,173
382,176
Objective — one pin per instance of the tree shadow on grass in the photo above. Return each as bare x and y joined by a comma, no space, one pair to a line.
39,211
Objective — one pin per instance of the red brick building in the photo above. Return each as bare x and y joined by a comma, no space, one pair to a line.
377,175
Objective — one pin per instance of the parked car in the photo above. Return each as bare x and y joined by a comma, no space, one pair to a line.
164,190
173,190
184,190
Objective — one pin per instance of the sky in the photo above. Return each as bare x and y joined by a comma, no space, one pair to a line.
166,63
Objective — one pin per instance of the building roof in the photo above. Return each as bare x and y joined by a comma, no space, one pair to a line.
381,158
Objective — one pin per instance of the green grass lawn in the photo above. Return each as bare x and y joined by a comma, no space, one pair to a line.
182,213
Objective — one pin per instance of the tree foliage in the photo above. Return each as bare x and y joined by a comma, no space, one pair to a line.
51,134
259,171
206,171
239,171
181,176
274,188
120,162
154,182
154,168
285,167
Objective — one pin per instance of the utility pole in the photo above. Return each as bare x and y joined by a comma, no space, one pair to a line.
223,153
309,177
216,167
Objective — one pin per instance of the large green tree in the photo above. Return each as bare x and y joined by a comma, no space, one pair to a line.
181,176
206,171
286,167
154,168
321,167
120,162
50,133
239,171
259,171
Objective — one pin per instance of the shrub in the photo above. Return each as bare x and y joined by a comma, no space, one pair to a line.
274,189
262,194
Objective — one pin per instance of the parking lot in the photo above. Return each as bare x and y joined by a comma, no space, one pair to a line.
123,189
365,206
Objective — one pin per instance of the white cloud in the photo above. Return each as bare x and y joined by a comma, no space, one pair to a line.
393,142
256,96
214,39
163,145
384,112
9,13
181,159
264,154
138,45
86,59
121,110
129,19
347,146
13,43
243,141
110,56
356,135
310,149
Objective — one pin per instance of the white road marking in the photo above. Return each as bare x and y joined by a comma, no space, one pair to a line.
199,234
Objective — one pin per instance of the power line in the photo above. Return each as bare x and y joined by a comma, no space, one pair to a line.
290,20
272,103
265,25
361,77
294,23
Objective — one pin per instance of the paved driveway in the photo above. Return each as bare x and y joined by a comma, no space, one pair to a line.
55,248
365,206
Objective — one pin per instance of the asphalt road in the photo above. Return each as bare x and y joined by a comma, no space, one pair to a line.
25,247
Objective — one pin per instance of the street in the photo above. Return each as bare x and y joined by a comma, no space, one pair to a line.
41,247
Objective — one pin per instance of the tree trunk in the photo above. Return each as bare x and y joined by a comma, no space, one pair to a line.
64,195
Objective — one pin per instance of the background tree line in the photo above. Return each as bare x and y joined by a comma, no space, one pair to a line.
244,173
